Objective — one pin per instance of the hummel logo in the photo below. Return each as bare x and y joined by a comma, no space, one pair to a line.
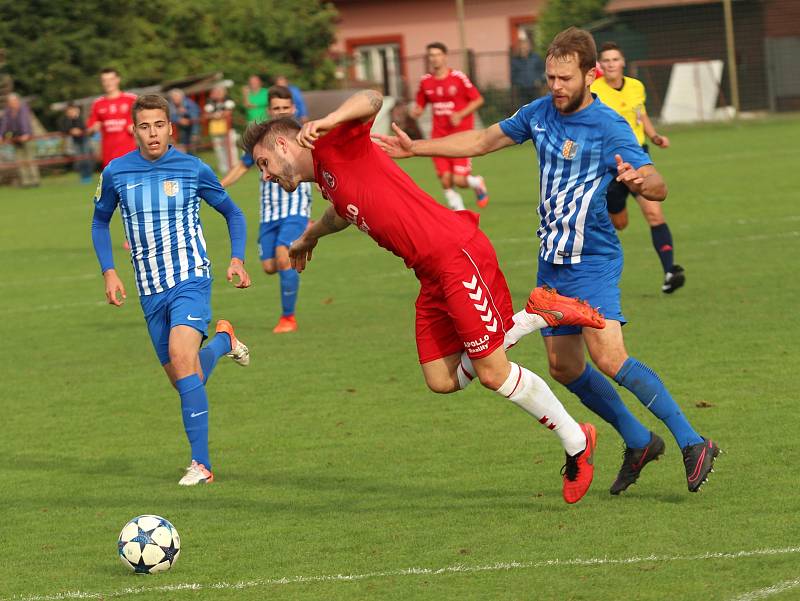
190,318
130,186
537,128
193,414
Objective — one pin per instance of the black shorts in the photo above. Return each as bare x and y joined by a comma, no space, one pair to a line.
617,193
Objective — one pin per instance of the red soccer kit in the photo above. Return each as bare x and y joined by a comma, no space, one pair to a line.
114,115
447,96
464,302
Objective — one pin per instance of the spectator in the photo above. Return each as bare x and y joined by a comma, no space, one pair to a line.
255,98
297,97
73,126
527,74
219,111
16,127
185,116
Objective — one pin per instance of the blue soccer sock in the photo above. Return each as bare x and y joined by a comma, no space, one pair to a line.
662,242
194,406
597,393
650,390
290,284
210,354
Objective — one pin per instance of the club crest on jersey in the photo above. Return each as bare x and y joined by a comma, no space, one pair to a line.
171,187
569,150
329,179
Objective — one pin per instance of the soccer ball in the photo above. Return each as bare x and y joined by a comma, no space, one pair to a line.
149,544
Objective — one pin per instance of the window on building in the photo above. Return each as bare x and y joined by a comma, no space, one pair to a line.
379,63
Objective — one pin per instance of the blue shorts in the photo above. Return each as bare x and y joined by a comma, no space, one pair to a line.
594,281
281,232
185,304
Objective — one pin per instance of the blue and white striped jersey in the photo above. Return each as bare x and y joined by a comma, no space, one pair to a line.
277,203
576,164
160,203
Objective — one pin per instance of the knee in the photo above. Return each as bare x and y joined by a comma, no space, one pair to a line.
182,361
447,180
609,364
283,264
564,374
460,181
269,267
620,220
441,385
492,379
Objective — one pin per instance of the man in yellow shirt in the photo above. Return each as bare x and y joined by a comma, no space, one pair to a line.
626,96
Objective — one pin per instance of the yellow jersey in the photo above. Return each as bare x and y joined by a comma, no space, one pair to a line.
628,101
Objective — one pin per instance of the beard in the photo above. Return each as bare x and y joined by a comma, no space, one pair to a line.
286,178
573,103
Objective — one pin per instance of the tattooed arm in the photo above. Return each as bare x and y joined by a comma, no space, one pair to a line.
362,106
301,249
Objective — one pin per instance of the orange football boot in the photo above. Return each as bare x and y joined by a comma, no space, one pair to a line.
558,310
578,471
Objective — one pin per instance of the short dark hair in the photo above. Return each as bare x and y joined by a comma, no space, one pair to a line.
150,102
105,70
610,46
574,42
281,92
437,46
267,131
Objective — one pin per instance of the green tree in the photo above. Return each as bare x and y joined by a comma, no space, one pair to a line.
56,49
560,14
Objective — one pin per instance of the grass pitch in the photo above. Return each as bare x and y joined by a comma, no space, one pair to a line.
338,472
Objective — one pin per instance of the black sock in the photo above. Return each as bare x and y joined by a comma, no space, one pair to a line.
662,242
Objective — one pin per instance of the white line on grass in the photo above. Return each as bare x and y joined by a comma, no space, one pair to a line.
454,569
763,593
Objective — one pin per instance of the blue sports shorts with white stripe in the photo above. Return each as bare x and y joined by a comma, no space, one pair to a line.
279,233
185,304
596,282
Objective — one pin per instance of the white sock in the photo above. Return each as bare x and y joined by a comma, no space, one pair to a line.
532,394
454,199
465,372
474,181
524,323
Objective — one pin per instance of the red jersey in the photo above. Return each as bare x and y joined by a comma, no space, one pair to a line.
114,116
447,95
369,190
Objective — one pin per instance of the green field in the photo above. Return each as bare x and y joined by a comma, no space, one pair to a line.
339,476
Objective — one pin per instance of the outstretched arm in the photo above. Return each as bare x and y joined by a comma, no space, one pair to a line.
237,230
234,175
472,143
362,106
101,240
644,181
457,117
301,250
650,132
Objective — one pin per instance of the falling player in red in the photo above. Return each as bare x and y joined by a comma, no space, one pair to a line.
453,101
464,320
111,115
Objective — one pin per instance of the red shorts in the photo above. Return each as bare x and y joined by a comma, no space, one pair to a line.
466,306
455,166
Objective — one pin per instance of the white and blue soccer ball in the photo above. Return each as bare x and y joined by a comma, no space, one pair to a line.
149,544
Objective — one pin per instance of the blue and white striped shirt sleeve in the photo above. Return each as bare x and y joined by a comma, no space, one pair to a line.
620,140
208,186
518,126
